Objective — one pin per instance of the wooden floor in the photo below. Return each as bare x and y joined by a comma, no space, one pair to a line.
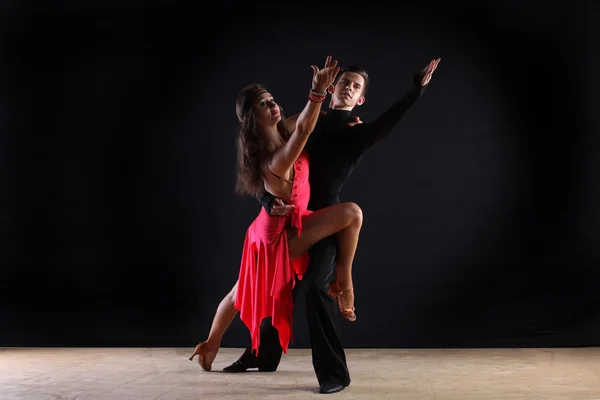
166,374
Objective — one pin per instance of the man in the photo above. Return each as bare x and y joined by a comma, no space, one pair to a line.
335,147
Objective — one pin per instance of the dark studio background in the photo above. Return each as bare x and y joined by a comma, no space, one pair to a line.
119,221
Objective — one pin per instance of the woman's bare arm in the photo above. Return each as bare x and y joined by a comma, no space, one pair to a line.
284,157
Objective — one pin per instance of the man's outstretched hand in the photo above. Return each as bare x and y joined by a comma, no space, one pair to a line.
280,208
428,71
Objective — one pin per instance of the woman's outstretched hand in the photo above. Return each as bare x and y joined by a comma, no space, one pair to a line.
322,78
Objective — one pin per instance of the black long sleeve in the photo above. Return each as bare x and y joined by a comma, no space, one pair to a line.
366,134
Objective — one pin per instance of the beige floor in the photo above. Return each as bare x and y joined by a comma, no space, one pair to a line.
413,374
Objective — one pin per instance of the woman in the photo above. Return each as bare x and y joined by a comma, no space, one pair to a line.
276,247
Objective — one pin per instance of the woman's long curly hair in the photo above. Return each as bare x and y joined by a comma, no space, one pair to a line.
250,144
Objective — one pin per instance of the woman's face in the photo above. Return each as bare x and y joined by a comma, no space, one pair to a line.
266,110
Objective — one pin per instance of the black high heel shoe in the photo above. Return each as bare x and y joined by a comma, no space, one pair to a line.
248,360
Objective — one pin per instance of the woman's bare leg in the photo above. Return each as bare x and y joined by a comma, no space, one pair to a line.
345,219
226,312
348,242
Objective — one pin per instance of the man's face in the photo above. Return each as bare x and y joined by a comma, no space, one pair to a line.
347,92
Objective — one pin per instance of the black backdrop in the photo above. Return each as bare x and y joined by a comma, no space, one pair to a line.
119,222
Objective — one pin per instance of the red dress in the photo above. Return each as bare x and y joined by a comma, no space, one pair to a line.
266,275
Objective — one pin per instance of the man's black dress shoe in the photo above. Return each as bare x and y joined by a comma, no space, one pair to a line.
247,361
328,388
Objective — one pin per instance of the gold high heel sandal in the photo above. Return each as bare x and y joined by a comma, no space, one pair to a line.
203,351
335,292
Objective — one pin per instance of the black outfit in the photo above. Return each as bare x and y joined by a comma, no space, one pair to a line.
334,149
